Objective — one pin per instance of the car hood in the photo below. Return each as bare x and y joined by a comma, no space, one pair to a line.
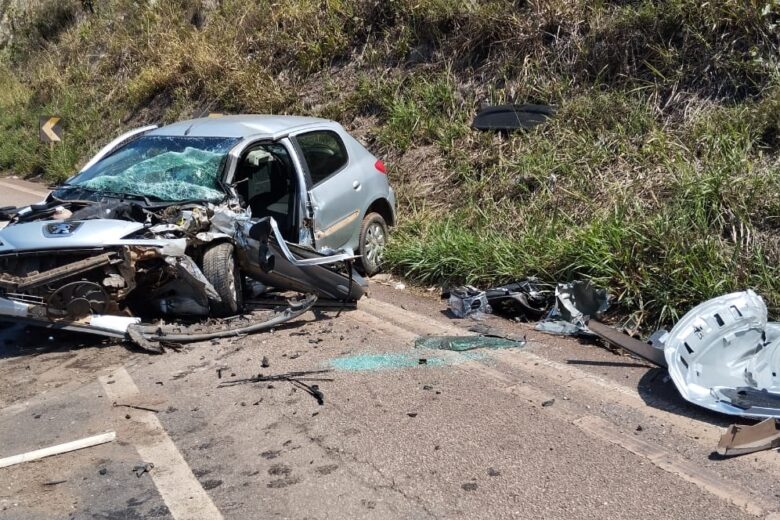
60,234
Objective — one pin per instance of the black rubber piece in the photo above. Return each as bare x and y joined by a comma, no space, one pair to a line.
220,268
508,118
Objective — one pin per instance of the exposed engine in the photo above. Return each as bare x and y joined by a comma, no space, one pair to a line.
111,257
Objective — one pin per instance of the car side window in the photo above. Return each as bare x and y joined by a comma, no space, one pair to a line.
324,153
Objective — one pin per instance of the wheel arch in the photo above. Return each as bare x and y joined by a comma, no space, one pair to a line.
383,207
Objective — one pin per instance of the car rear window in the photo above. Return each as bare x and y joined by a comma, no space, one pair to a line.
324,152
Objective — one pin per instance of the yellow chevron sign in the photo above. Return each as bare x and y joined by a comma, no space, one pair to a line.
50,129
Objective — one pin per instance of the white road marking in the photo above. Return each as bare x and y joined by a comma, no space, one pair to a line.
185,497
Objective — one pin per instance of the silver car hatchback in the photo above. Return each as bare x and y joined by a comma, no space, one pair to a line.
323,188
175,222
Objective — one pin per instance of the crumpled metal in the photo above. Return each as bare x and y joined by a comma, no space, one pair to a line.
575,303
724,355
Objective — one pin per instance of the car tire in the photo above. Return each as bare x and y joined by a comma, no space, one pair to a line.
373,240
221,269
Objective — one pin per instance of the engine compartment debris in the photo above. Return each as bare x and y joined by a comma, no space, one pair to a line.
128,268
466,301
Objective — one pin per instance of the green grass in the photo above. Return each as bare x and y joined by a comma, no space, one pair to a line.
658,177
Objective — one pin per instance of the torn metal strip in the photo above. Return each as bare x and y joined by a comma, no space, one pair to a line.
626,342
17,283
259,231
148,337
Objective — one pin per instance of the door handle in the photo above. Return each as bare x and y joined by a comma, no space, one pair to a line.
356,185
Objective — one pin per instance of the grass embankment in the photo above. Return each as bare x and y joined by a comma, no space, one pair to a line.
658,177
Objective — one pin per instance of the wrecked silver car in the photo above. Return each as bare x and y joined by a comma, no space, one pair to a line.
184,221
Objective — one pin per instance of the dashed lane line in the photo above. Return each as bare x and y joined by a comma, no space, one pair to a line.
185,497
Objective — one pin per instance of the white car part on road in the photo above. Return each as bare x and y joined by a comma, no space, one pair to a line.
724,356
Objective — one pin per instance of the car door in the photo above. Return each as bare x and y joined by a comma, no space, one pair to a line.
335,187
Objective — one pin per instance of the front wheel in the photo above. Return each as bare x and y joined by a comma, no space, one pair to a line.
221,269
373,240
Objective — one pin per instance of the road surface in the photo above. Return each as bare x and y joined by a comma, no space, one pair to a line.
556,429
18,192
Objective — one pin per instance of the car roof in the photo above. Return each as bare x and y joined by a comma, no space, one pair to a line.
239,126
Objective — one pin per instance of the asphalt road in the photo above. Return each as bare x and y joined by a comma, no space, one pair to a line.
556,429
18,192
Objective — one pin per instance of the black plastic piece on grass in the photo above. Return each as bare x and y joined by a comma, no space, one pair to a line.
510,118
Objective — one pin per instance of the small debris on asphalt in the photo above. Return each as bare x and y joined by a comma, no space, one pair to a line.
143,468
295,378
264,363
412,415
427,387
548,403
469,486
493,472
639,428
144,408
54,482
102,471
422,361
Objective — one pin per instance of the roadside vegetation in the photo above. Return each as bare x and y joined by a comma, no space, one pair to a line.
658,177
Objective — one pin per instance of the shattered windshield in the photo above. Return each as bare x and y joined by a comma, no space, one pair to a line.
164,168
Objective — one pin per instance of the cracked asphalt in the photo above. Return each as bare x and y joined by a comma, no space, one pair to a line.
557,429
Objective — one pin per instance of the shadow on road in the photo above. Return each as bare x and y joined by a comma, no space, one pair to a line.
658,391
18,340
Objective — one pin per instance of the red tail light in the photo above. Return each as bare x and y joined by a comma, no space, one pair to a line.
380,166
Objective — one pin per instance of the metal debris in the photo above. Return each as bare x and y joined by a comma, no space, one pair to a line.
468,300
142,468
295,378
723,355
153,337
527,298
644,350
575,303
740,440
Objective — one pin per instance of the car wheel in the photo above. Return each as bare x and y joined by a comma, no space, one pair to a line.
220,268
373,240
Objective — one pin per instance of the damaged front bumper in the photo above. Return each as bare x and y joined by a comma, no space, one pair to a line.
107,268
150,336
